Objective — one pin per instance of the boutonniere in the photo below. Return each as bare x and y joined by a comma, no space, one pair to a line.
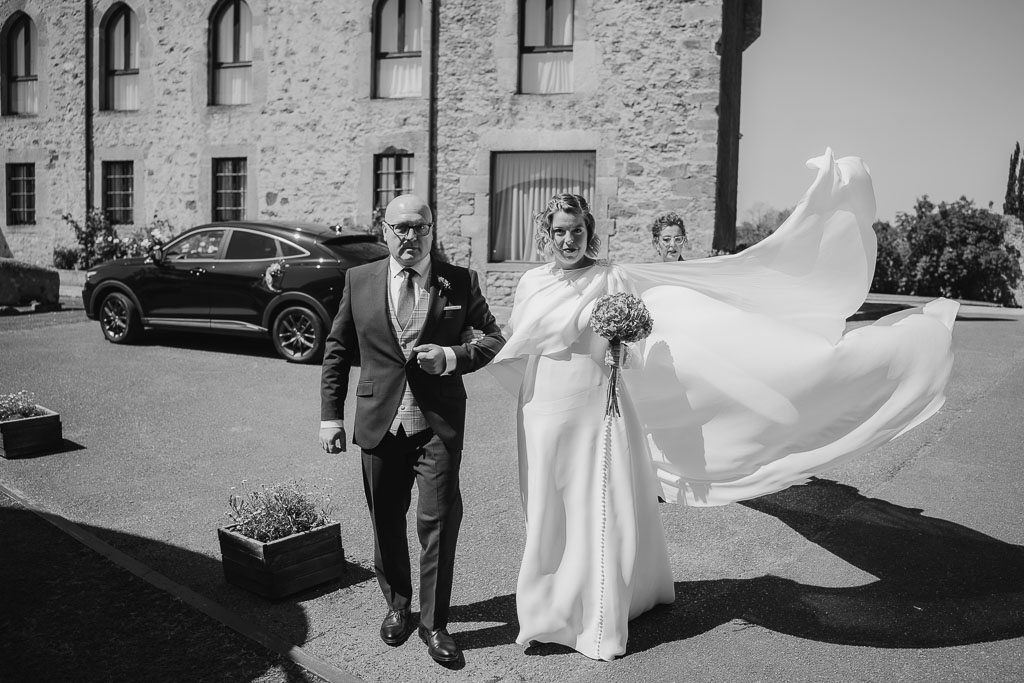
443,283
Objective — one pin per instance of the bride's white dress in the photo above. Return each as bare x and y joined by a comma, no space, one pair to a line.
747,385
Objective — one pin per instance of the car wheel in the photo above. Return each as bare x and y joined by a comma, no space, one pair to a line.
119,319
298,334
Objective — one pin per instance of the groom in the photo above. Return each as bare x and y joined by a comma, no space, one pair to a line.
401,320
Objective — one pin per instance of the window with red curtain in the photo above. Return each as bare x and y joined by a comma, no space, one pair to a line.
521,185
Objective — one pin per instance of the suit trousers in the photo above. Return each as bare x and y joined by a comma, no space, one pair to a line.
389,471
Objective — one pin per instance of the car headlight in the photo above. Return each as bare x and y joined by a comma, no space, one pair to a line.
89,274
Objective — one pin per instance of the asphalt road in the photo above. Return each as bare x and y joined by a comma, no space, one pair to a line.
907,565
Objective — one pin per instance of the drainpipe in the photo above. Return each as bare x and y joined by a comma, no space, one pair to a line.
88,108
435,33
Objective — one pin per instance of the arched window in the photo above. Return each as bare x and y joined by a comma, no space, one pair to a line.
121,60
545,46
398,41
21,91
231,53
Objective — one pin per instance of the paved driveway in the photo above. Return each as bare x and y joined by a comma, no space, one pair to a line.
903,566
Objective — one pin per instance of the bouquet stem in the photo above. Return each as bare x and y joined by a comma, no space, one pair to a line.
615,351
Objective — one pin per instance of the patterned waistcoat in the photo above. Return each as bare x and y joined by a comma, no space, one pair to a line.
409,414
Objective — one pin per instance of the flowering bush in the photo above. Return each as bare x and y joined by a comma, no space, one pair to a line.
98,241
281,510
19,405
621,319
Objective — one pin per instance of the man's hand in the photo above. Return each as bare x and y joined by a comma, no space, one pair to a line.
430,358
332,439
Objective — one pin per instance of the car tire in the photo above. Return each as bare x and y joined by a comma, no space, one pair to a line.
298,334
119,319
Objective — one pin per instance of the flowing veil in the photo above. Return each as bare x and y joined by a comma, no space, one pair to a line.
749,382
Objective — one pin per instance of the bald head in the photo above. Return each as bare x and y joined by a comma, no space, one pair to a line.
408,208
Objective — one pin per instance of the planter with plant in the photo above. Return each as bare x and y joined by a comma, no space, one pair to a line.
27,427
282,540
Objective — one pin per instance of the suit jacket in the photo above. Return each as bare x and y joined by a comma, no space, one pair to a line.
362,334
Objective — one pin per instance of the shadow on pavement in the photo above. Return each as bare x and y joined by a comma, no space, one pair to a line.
69,613
206,341
939,584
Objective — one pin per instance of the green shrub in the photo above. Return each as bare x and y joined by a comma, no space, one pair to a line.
66,258
960,251
281,510
18,405
98,241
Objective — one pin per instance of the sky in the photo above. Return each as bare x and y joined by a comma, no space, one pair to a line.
930,93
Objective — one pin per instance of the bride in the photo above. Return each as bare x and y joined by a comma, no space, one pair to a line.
746,385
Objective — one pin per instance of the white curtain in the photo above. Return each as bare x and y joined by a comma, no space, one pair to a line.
401,77
233,85
123,87
523,183
546,73
24,94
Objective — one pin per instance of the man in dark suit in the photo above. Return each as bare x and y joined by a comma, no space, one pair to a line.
403,321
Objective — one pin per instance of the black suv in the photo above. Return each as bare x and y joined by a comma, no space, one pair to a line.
278,278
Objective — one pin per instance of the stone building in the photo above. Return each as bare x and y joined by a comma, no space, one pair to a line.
197,110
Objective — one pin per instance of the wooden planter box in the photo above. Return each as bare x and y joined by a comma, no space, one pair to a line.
28,435
285,566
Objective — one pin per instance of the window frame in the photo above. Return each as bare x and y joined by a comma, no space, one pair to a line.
236,45
14,208
217,212
547,47
398,173
588,157
131,48
11,80
378,53
115,213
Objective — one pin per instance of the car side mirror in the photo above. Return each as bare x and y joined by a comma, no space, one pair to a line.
156,254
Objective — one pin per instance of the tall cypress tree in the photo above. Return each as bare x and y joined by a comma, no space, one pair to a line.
1013,203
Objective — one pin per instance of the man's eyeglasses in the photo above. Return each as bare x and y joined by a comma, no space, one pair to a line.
404,230
672,240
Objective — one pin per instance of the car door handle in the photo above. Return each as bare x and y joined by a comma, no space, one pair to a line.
197,271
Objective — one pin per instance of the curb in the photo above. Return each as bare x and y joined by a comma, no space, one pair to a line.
315,665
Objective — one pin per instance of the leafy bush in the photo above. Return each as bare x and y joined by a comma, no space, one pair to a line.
98,241
18,405
281,510
889,260
960,251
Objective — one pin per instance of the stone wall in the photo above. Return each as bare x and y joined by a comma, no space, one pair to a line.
644,100
53,139
646,86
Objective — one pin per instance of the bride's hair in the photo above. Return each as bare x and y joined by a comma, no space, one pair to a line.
574,205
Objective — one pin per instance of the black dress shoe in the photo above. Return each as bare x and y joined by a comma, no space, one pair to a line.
396,627
440,645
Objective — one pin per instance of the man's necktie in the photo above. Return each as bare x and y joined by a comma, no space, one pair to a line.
406,297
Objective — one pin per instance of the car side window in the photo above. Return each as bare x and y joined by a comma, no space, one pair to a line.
201,245
250,246
288,249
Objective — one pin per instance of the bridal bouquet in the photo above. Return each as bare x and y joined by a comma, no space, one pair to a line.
621,319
